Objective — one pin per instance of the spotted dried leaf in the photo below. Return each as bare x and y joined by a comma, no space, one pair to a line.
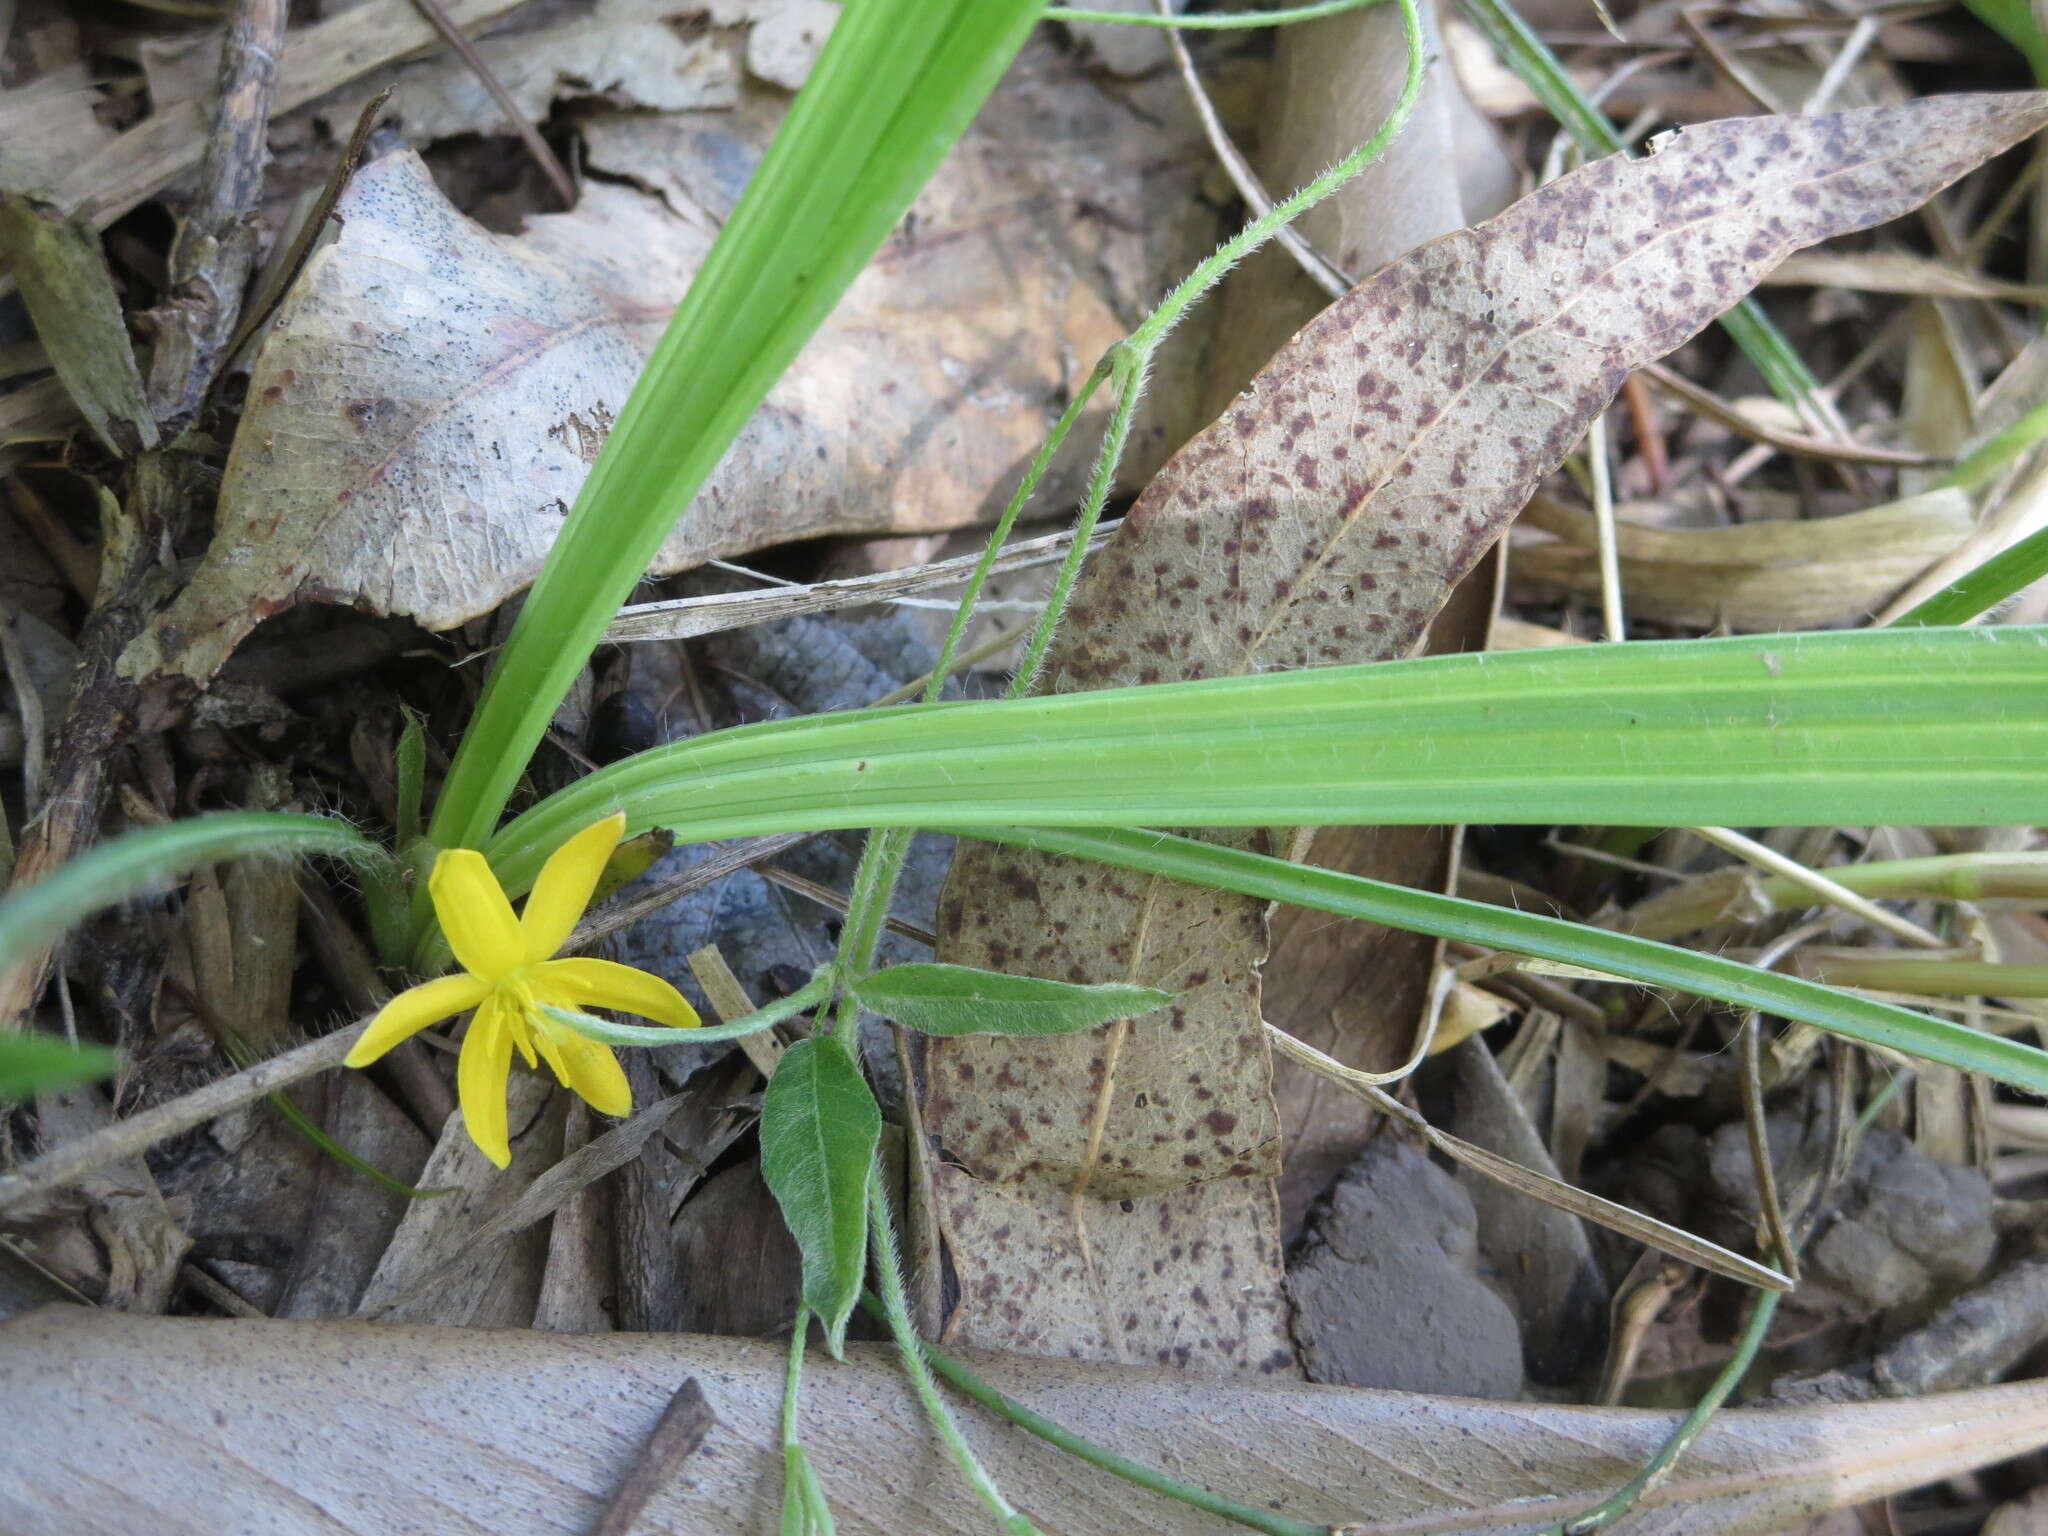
1325,519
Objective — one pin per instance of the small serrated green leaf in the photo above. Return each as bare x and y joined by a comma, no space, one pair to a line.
30,1063
819,1130
964,1000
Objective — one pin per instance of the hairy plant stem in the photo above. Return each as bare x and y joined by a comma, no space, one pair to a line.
804,1510
1053,1433
896,1311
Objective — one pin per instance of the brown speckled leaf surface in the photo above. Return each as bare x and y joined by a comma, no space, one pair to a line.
1108,1195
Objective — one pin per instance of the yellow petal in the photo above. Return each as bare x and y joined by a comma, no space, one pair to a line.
586,1067
566,881
588,983
475,915
595,1073
480,1076
413,1010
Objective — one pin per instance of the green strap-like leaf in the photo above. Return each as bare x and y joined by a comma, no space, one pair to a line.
819,1129
964,1000
127,865
896,85
1984,587
1912,727
29,1063
1525,933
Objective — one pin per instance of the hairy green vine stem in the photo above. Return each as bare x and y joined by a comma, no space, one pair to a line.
896,1310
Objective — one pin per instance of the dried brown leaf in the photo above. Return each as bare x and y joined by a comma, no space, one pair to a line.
1898,272
432,395
1753,576
1324,519
179,1426
70,296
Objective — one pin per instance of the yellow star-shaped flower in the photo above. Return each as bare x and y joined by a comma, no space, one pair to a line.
508,976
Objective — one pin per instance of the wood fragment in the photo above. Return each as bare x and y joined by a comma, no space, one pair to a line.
315,60
677,1434
763,1048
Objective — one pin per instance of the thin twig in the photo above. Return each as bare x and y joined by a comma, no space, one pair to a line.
1763,856
1749,1038
689,618
536,146
825,896
1861,36
1258,202
679,1432
1649,440
265,304
1611,616
968,659
1798,444
1619,1218
215,248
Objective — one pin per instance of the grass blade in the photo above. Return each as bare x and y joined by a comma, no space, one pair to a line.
894,88
29,1063
1915,726
1986,586
34,918
1549,938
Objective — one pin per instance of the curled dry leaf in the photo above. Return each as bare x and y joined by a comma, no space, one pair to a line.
1753,576
433,395
1898,272
178,1426
1324,519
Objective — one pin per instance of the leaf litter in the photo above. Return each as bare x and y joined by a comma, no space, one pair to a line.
1325,518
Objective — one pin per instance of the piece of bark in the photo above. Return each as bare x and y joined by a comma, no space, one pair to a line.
577,1284
352,1218
501,1284
737,1267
